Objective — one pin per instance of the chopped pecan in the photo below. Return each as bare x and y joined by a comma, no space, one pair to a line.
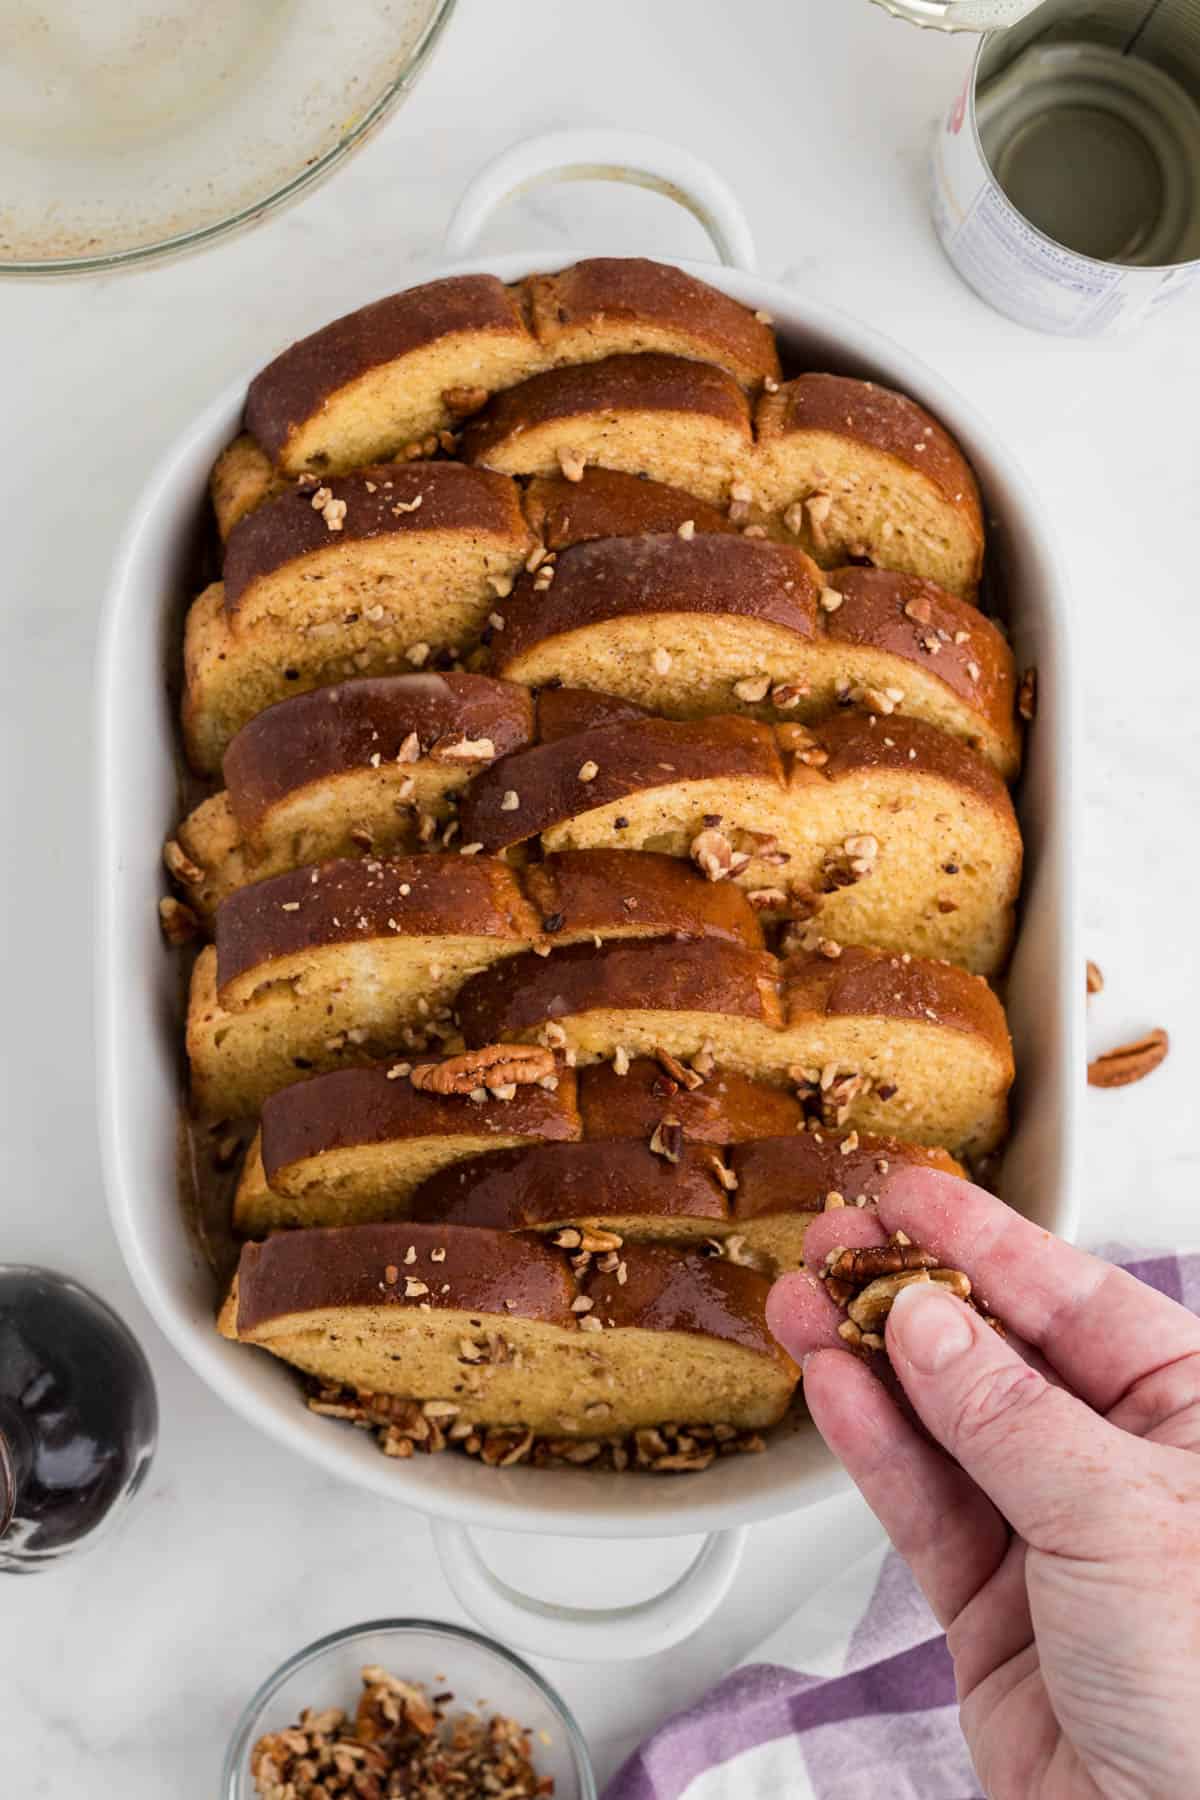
679,1072
454,747
1129,1062
179,923
715,856
180,866
461,402
496,1065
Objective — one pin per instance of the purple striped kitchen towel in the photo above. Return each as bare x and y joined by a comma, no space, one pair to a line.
866,1648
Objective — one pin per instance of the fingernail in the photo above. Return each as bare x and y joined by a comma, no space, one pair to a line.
931,1328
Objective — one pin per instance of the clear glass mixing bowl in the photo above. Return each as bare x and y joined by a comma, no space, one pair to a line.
144,128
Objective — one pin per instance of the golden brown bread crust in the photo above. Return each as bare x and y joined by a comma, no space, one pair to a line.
562,711
664,1290
335,729
854,745
579,892
616,578
664,305
351,1107
796,1173
607,503
379,500
523,1190
302,379
728,1109
880,984
880,417
295,1272
647,383
628,757
242,479
348,901
502,1002
904,615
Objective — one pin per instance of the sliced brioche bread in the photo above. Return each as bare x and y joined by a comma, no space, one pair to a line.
620,1188
367,385
354,1145
493,1323
243,479
680,422
311,596
914,1049
637,999
911,1048
360,768
339,965
612,304
891,833
608,503
860,471
630,1099
712,624
348,961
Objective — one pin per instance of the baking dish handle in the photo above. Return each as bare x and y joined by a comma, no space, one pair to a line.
607,156
583,1634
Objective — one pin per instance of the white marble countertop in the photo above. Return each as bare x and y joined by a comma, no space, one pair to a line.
124,1673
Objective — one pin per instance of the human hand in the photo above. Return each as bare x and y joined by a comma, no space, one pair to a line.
1053,1521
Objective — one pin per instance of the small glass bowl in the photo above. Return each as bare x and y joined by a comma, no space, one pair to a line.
482,1675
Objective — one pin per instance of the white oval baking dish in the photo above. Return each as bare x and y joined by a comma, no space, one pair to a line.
139,1028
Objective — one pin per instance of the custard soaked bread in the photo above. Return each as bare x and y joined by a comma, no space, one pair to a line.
633,1098
887,1043
755,1202
887,833
500,1327
704,624
387,376
369,574
243,479
857,470
338,964
365,767
680,422
608,503
354,1145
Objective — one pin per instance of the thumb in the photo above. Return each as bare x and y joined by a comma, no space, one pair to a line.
1035,1450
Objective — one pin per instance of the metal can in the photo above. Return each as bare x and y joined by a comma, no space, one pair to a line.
1067,173
960,15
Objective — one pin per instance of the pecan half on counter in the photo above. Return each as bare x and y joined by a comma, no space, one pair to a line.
864,1283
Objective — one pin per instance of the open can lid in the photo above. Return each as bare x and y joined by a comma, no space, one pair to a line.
960,15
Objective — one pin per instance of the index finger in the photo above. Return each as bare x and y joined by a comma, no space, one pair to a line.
1102,1329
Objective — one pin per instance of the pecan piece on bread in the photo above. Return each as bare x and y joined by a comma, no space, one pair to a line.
1129,1062
495,1066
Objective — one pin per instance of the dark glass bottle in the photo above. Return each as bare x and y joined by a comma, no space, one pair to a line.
78,1417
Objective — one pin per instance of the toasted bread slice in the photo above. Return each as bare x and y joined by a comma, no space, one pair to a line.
608,503
356,1144
361,768
886,1043
613,304
862,472
680,422
386,376
755,1203
338,965
486,1321
723,1107
889,833
692,626
411,567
